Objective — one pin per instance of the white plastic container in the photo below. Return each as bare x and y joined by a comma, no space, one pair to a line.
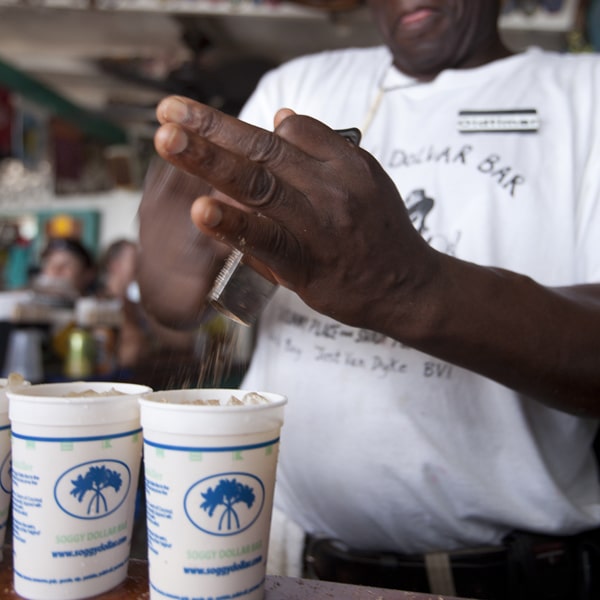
210,478
5,461
75,468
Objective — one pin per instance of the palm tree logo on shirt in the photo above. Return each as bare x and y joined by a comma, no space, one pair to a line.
226,503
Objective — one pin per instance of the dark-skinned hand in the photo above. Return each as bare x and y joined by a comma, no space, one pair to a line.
320,216
319,213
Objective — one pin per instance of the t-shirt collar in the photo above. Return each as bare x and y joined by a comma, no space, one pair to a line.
393,79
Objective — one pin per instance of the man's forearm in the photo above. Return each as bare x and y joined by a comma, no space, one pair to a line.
542,342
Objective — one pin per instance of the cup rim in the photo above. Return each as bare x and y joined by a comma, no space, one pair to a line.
152,400
43,392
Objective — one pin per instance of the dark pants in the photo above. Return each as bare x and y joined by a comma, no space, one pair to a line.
525,567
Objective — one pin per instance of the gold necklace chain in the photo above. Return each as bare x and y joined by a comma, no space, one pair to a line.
381,91
372,111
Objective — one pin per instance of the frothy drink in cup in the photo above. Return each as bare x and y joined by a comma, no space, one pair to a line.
210,457
76,455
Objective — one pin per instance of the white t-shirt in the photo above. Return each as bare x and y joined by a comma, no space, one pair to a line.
385,447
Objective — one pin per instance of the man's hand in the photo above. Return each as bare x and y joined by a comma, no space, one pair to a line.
320,214
321,217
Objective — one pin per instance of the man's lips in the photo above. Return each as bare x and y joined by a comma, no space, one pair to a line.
416,17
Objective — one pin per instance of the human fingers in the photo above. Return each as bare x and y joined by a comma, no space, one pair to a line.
209,215
281,115
227,132
239,160
321,208
294,185
220,140
215,218
249,171
199,156
297,243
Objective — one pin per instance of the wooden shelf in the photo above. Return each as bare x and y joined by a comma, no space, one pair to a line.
540,20
247,8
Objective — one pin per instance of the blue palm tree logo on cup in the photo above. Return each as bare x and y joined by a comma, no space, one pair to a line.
227,494
94,489
96,481
225,504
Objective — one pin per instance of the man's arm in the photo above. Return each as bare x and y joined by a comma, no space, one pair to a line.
327,222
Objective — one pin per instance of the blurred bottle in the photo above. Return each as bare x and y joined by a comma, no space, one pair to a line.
105,349
80,358
92,343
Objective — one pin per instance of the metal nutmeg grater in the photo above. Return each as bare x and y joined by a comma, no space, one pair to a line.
239,292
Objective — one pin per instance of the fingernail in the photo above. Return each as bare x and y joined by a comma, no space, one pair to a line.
175,110
172,138
213,215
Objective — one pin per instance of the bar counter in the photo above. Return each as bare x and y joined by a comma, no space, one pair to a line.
135,587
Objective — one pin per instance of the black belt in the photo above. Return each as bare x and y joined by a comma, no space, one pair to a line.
525,567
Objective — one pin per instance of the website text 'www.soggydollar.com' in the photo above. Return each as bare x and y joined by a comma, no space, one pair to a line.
223,569
86,552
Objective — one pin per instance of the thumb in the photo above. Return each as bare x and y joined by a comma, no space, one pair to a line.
281,115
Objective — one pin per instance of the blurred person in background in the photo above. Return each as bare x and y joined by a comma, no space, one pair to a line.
117,280
142,340
67,269
117,270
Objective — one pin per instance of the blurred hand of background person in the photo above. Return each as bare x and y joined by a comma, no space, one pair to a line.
117,278
176,270
141,337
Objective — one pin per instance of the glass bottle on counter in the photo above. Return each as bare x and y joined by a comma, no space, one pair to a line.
80,358
92,345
